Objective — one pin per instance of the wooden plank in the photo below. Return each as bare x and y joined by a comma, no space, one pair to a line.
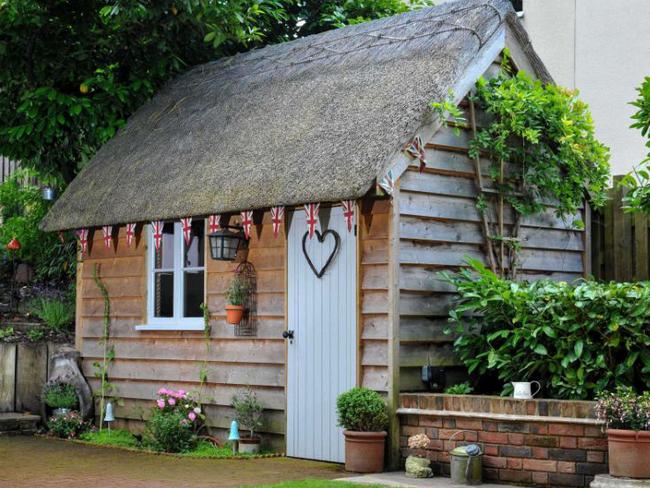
272,398
438,254
267,281
568,262
609,237
127,307
623,236
120,267
425,329
419,354
430,305
374,327
31,375
118,287
267,305
374,353
423,278
7,377
375,302
641,260
253,351
375,378
374,277
189,371
374,251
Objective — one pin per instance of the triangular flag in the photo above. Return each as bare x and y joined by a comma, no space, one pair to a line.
214,223
108,235
246,222
311,209
130,234
277,214
82,234
348,213
186,223
157,227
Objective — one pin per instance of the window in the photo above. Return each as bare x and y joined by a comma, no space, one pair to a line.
176,279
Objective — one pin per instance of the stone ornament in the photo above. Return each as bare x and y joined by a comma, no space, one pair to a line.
417,466
64,367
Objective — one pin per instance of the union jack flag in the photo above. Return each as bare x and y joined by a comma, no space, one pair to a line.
388,183
348,213
214,223
311,209
186,223
246,222
415,149
277,214
157,227
82,234
130,234
108,235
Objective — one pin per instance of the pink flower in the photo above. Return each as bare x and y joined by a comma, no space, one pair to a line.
171,401
181,393
161,403
192,416
162,391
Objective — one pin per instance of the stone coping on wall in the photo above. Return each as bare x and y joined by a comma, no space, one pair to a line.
495,406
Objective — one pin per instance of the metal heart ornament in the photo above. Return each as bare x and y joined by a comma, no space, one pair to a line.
321,238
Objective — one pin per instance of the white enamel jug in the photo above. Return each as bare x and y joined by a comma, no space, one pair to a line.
522,389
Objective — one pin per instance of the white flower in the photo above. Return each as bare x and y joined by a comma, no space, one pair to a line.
197,410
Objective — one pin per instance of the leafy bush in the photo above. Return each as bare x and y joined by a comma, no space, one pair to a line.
248,410
60,395
362,410
68,426
459,389
174,423
624,409
6,333
237,291
57,314
581,338
35,334
115,437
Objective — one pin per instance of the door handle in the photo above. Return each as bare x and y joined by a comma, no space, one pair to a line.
288,334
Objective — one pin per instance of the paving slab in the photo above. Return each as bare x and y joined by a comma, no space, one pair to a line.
607,481
399,479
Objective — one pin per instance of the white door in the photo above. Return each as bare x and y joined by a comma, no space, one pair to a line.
322,353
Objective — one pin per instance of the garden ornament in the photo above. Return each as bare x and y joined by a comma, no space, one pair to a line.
523,390
64,366
466,463
234,435
108,416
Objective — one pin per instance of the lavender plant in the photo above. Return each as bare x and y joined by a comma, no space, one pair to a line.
624,409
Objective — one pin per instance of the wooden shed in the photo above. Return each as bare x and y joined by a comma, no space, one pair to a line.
322,120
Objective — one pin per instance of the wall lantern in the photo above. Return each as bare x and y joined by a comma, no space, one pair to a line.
48,193
225,243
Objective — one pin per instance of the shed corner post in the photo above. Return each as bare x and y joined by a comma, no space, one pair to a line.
393,331
78,323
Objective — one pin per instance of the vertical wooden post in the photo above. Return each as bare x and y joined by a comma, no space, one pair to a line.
641,264
586,239
608,230
622,223
393,331
7,377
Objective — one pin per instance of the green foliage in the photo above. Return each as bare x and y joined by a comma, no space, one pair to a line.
459,389
68,426
362,410
624,409
6,332
115,437
547,135
93,63
579,339
638,199
169,431
60,395
35,334
248,411
237,291
57,314
21,210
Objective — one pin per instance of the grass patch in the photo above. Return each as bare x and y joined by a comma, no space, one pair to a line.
115,437
319,484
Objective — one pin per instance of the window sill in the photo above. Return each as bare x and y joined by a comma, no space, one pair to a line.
197,327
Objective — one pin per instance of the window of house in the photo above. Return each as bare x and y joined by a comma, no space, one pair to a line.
176,278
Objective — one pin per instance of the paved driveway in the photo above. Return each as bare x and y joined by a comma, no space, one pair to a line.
32,462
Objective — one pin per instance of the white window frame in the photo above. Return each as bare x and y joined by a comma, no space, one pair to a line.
177,322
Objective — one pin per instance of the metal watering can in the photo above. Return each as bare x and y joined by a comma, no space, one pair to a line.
466,463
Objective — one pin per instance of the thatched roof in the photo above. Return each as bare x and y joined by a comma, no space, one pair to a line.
311,120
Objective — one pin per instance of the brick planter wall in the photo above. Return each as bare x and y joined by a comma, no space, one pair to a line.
531,442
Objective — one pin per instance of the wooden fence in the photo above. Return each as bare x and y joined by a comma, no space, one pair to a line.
23,371
8,167
620,244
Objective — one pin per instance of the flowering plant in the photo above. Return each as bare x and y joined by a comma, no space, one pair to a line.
180,402
418,441
624,409
68,426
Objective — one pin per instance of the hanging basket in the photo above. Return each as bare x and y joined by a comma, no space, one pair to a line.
234,314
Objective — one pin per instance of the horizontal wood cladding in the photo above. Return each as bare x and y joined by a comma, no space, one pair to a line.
439,230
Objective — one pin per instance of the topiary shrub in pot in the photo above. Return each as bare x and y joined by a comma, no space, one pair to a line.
627,416
60,396
248,414
235,298
362,413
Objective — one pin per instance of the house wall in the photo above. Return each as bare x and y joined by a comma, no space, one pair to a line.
148,360
439,229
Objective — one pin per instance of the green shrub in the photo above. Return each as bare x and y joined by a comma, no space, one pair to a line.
68,426
6,333
60,395
237,291
579,339
248,410
35,334
362,410
459,389
115,437
624,409
169,432
57,314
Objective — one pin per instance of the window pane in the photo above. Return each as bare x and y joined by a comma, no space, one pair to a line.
164,295
193,286
165,254
195,251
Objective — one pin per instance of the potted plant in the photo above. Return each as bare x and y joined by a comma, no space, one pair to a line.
627,417
248,414
362,413
235,297
60,396
418,466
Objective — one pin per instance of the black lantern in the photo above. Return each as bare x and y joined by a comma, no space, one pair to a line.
225,243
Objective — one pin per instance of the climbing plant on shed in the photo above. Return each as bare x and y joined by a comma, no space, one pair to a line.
543,156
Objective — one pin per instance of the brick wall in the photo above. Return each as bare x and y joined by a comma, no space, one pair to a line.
523,444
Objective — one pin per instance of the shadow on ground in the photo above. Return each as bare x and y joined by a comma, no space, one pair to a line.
33,462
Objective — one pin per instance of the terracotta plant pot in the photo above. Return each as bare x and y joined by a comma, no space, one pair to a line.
364,451
249,445
629,453
234,314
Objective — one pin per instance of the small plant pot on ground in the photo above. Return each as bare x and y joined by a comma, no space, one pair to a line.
234,314
60,412
629,453
364,451
249,445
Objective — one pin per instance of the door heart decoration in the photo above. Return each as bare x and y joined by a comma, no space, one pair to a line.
321,238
